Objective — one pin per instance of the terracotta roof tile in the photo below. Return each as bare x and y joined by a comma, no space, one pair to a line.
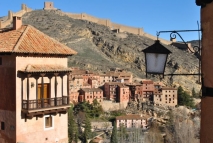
78,72
45,68
134,84
131,117
28,39
168,88
147,82
91,89
114,83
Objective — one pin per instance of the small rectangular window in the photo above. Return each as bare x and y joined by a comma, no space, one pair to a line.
2,126
48,122
0,60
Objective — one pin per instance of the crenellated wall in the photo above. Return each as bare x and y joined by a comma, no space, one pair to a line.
10,15
124,28
167,42
107,22
84,16
116,26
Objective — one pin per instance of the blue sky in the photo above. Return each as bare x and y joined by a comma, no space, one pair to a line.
151,15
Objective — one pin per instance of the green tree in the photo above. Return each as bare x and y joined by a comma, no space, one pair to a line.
122,133
97,109
180,95
87,130
72,127
114,134
194,94
184,98
92,110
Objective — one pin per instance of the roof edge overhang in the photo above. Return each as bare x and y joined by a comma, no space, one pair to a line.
9,53
37,72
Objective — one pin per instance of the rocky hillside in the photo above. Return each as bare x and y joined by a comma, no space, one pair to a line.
100,49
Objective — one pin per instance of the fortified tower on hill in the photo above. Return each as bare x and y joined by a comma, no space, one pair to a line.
48,5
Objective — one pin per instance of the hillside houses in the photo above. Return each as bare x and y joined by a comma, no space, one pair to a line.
89,94
117,86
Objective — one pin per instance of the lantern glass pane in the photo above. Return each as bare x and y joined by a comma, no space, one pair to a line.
155,62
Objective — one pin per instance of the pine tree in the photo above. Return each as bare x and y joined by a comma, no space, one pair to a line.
180,95
114,134
193,92
87,130
122,133
184,98
72,127
97,109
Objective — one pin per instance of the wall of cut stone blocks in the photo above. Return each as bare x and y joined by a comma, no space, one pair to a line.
10,15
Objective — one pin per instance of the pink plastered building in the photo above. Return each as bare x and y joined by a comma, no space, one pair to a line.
111,90
148,89
93,82
34,86
116,92
90,94
123,93
136,91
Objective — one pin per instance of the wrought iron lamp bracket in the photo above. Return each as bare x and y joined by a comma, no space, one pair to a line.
195,49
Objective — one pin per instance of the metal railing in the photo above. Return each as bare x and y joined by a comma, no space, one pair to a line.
45,103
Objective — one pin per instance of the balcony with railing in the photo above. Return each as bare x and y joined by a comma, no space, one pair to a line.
45,105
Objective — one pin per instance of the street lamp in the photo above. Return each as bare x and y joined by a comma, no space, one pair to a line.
156,55
155,58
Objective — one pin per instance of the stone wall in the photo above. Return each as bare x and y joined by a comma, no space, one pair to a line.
10,15
115,26
101,125
111,106
107,22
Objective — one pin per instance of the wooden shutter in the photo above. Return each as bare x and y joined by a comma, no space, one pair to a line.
39,91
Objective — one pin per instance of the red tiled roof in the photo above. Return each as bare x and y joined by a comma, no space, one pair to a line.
147,82
45,68
28,39
168,88
133,84
114,83
91,89
131,117
78,72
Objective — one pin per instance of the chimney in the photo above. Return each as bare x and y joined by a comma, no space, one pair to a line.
17,22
